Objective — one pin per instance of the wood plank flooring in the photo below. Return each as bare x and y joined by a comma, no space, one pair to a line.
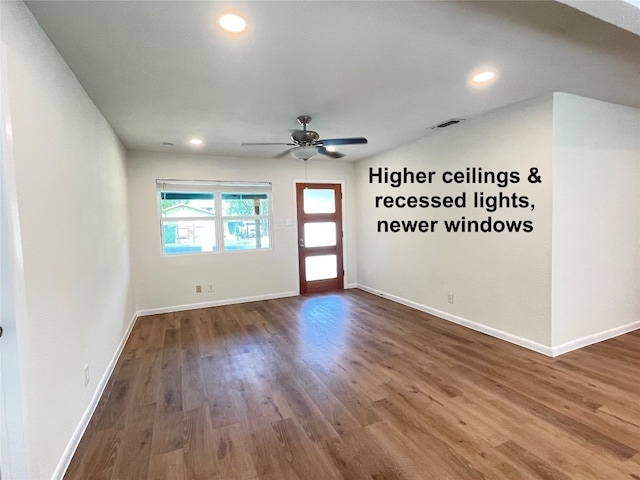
352,386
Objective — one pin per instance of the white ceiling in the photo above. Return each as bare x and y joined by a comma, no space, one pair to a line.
386,70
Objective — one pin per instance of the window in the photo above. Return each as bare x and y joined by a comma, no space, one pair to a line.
199,216
245,218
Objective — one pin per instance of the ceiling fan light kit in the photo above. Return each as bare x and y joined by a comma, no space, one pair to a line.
304,153
307,143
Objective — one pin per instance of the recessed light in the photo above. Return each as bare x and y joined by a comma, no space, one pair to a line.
483,77
232,23
331,148
195,141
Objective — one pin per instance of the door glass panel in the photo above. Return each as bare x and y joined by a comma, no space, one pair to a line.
320,234
319,200
321,267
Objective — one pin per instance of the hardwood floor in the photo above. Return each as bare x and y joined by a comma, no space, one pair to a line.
352,386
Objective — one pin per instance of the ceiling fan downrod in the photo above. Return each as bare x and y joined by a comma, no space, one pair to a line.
304,137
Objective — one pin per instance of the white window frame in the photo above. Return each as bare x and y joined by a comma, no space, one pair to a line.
218,188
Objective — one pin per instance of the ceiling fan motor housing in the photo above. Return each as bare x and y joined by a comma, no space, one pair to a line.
305,137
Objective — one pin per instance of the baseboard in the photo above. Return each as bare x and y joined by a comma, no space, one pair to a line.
67,455
493,332
595,338
214,303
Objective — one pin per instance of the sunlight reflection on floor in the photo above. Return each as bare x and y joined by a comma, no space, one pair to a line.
322,327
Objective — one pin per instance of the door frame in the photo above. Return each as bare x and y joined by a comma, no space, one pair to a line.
345,256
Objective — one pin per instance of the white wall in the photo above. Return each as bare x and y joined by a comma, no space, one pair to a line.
573,281
72,197
164,282
13,454
596,215
500,281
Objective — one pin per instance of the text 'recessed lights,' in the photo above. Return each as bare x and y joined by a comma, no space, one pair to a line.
232,23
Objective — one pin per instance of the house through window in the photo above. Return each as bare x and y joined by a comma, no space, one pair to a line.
211,216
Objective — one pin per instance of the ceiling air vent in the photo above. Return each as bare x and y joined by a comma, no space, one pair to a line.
448,123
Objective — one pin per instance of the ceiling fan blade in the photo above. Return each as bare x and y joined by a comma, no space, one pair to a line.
285,153
326,152
342,141
247,144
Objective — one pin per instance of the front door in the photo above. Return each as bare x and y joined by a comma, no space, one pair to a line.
320,237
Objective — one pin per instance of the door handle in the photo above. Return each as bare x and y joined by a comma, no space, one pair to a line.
301,242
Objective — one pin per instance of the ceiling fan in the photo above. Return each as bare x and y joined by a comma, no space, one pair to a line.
307,143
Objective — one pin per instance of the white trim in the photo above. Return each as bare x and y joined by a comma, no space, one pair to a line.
494,332
171,185
67,455
594,338
502,335
215,303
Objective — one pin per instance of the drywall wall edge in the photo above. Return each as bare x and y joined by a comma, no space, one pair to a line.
67,455
493,332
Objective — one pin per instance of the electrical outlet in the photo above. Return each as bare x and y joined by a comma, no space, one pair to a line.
450,298
198,288
211,288
87,375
